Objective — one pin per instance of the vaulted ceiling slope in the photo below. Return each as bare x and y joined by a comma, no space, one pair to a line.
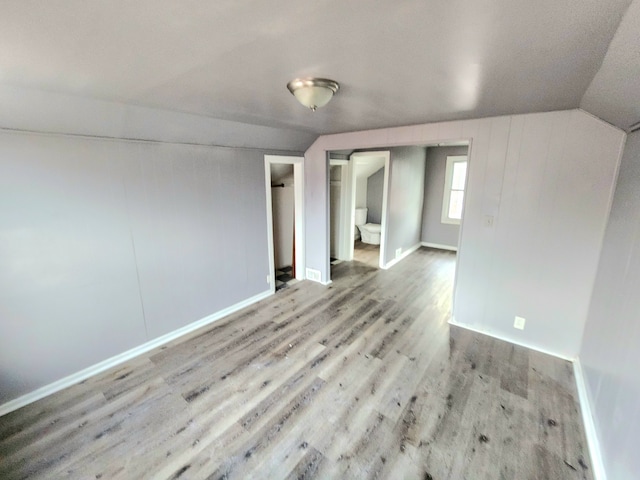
614,93
399,62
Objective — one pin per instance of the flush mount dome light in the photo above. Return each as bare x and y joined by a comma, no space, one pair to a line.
313,92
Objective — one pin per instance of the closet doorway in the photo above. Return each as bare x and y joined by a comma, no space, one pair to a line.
284,181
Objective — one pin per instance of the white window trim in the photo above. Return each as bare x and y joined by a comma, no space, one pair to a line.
448,180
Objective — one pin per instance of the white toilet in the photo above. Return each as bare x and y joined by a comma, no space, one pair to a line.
369,232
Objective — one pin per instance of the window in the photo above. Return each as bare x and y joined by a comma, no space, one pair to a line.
454,181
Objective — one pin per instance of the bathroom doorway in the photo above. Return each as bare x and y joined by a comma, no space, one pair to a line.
417,187
364,222
284,180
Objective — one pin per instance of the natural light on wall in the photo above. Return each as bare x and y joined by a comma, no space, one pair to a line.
455,179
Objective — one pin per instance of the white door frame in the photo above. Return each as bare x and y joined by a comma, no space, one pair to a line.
386,154
298,189
343,211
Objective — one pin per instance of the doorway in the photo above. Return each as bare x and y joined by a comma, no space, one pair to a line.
358,191
338,209
415,212
284,183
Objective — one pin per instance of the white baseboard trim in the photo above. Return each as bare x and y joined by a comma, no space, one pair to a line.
597,465
515,342
439,246
124,356
321,282
404,255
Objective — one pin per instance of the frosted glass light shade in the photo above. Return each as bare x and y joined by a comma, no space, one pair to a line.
313,97
313,92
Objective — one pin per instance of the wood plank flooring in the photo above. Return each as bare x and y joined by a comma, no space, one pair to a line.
360,379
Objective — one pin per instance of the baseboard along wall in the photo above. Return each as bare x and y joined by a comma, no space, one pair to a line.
124,356
593,442
439,246
510,340
590,430
404,255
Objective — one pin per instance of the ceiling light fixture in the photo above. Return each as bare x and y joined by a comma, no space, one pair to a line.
313,92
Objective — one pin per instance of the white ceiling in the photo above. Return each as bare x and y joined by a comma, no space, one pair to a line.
399,62
367,166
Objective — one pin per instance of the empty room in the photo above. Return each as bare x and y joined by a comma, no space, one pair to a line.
391,239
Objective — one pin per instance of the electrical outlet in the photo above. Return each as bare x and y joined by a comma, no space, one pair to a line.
398,252
314,275
519,323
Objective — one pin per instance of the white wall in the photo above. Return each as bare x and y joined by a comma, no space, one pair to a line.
361,192
547,180
609,353
107,244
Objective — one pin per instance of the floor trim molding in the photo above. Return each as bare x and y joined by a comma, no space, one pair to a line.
404,255
439,246
597,464
74,378
510,340
595,452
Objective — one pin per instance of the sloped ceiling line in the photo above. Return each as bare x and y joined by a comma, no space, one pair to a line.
400,62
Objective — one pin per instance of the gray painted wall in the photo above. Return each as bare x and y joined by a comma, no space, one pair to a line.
609,354
375,188
547,180
433,230
405,199
107,244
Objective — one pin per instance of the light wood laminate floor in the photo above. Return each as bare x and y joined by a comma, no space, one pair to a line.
360,379
366,253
